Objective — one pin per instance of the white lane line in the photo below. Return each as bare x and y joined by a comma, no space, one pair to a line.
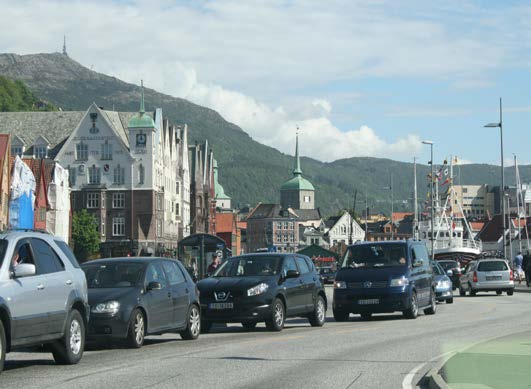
407,383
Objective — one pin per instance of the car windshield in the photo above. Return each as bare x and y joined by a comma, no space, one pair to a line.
113,275
448,265
249,266
492,266
375,255
326,271
437,270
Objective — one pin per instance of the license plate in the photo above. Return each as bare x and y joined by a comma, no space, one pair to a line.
221,305
368,301
493,278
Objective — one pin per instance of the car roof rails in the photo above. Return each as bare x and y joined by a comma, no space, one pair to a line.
39,230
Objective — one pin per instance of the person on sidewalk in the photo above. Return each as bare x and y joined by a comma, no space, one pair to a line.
526,266
518,261
213,265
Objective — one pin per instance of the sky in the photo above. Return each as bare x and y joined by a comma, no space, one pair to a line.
357,77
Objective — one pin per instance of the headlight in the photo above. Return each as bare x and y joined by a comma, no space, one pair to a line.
109,307
258,289
444,284
340,285
402,281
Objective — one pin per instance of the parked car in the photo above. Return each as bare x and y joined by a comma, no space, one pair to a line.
134,297
443,284
486,275
452,270
328,274
43,296
266,288
384,277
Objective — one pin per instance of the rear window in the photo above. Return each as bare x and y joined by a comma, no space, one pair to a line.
449,265
492,266
69,254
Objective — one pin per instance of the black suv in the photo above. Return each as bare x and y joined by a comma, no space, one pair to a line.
266,288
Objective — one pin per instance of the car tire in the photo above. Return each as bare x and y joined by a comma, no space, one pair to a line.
366,316
2,346
462,292
432,309
413,311
340,315
510,292
249,325
472,291
450,301
498,292
193,324
318,316
69,350
277,316
137,329
206,326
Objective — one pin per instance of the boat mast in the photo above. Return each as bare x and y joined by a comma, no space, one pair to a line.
518,194
416,208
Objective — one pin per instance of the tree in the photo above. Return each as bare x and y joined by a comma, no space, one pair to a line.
85,235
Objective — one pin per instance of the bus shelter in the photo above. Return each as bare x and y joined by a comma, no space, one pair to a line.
196,252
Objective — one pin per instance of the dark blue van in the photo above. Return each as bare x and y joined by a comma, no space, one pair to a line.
383,277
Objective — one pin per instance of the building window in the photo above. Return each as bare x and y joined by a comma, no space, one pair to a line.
42,214
93,200
106,150
97,223
119,175
102,227
177,187
279,225
16,150
118,200
290,225
278,237
284,239
307,199
118,226
177,212
159,228
94,175
159,203
40,152
72,171
291,238
141,174
285,225
82,152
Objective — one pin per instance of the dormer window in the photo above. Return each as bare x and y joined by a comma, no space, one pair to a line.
40,152
17,150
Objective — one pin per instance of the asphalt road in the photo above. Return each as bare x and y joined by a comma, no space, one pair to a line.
386,352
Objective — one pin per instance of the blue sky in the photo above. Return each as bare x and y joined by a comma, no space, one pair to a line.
360,77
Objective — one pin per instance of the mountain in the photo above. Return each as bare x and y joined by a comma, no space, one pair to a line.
16,96
249,171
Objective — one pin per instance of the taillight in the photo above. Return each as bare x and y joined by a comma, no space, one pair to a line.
511,275
475,279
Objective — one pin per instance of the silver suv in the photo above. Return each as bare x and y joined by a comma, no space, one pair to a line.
43,296
485,275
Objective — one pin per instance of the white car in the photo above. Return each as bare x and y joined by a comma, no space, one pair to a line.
485,275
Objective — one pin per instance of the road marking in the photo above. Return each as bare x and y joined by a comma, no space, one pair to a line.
407,383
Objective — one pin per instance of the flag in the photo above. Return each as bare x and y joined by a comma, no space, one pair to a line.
445,171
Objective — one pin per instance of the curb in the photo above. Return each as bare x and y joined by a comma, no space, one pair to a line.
522,290
435,380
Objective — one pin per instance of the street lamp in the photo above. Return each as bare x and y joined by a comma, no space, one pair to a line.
502,188
430,143
390,187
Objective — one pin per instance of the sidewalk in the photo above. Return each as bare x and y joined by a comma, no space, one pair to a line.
521,288
500,363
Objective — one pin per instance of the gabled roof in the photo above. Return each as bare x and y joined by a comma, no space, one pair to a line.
492,231
331,221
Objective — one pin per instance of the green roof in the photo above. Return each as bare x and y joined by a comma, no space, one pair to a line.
297,183
141,119
218,189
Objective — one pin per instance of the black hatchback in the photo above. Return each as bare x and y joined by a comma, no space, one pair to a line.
266,288
134,297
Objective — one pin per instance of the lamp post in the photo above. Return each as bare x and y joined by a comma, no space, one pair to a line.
390,188
502,188
430,143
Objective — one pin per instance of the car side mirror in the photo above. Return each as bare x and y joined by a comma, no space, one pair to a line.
292,274
418,263
24,270
154,285
449,273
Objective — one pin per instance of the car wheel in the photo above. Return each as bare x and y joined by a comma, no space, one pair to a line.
318,316
2,346
249,325
193,325
462,292
69,350
450,301
137,329
498,292
510,292
432,309
472,291
366,316
340,315
278,316
206,326
413,310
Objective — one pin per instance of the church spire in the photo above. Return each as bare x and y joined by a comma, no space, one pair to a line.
142,109
297,169
64,46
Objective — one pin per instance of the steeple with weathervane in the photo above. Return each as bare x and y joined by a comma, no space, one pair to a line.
298,192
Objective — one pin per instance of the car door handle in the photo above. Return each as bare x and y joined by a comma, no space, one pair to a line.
40,286
187,291
301,282
169,294
68,282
